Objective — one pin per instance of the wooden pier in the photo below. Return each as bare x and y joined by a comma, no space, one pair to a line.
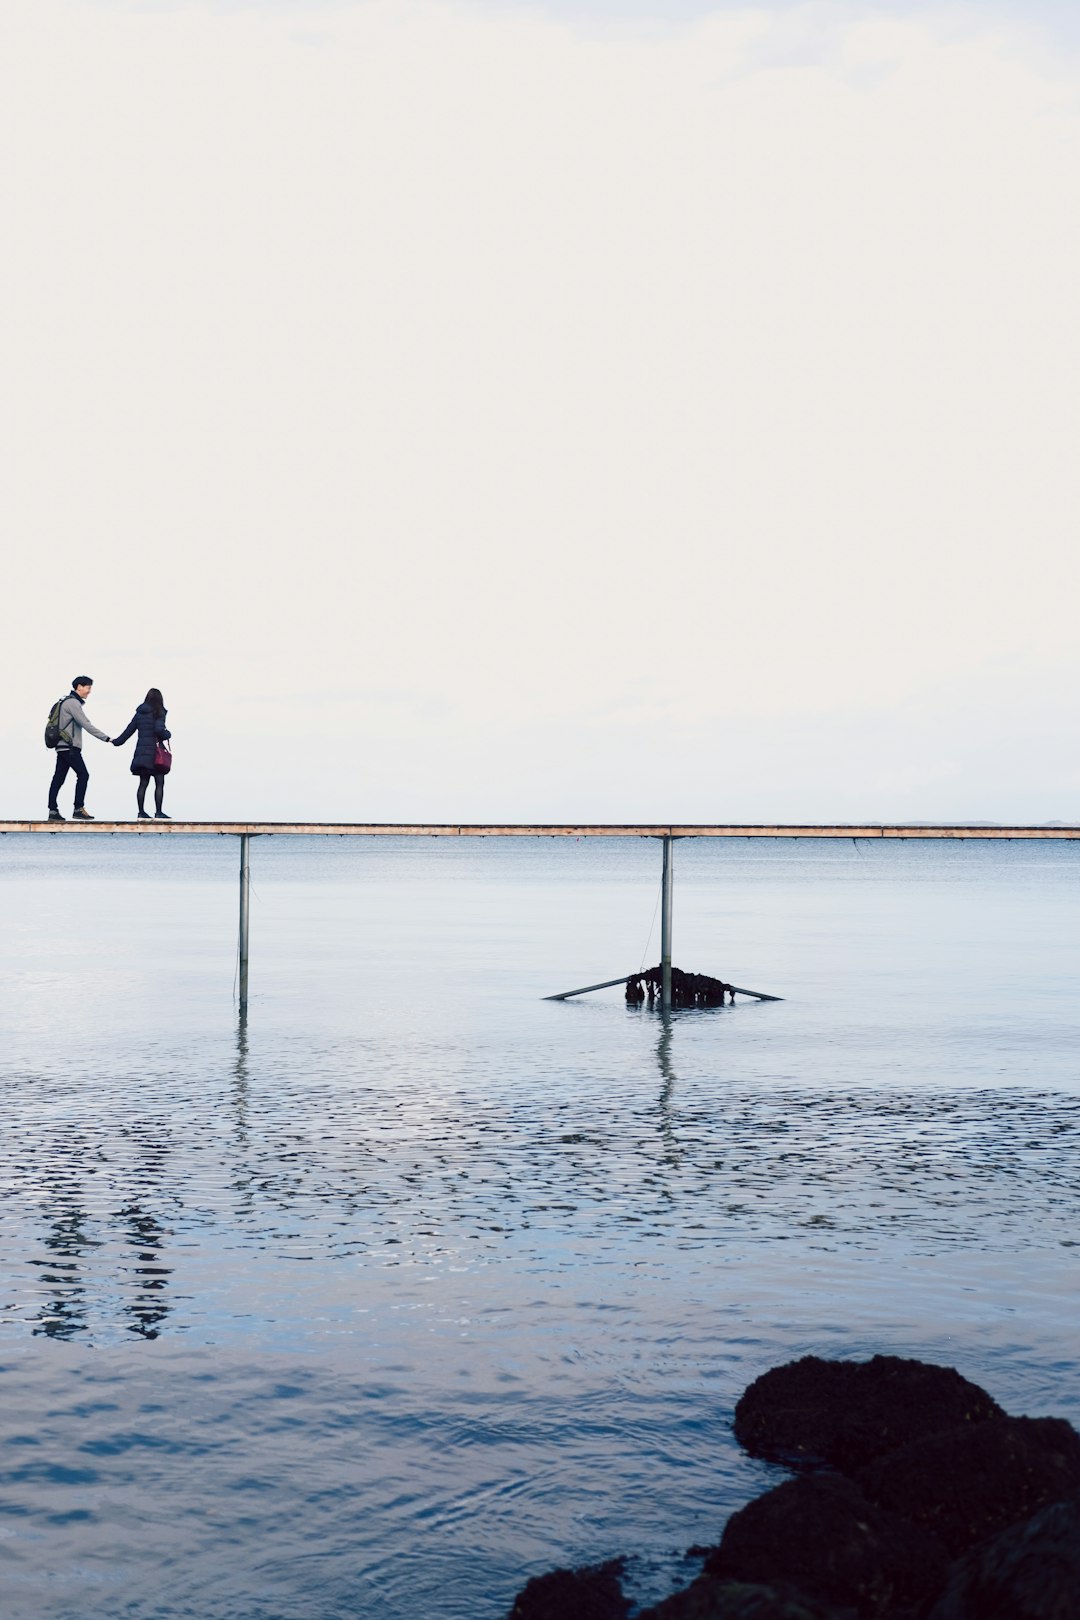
247,830
518,829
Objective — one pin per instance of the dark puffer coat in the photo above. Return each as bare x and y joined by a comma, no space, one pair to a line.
152,730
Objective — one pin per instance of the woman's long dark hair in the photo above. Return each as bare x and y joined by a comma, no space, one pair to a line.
155,700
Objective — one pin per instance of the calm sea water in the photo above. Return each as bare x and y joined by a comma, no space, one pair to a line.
419,1284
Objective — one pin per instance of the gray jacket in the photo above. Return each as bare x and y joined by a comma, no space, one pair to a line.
73,723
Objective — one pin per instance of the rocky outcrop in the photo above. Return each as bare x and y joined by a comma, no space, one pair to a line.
843,1414
710,1598
1030,1572
821,1535
969,1484
916,1498
594,1593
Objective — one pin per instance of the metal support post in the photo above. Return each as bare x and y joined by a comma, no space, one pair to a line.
245,906
665,929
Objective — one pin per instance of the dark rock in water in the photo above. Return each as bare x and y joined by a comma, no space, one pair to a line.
971,1483
845,1413
712,1599
820,1534
594,1593
904,1466
1029,1572
687,989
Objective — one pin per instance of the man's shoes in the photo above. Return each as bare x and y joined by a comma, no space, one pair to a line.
54,815
159,815
144,815
81,815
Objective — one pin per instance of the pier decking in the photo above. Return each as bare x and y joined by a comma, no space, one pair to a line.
364,829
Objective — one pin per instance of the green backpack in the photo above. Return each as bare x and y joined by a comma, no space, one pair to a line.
53,734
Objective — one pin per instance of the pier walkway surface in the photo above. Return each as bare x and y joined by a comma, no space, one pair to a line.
362,829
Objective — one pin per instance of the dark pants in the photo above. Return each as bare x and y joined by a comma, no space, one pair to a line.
159,788
69,759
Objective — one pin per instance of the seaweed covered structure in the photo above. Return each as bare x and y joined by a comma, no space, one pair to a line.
687,989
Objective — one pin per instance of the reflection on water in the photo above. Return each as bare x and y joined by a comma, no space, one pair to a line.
71,1287
148,1306
667,1090
411,1284
314,1155
240,1089
62,1314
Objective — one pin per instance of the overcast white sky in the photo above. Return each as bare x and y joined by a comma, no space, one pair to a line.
546,411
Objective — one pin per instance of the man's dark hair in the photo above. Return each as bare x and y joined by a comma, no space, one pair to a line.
82,680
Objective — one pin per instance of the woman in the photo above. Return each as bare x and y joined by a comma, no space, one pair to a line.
149,721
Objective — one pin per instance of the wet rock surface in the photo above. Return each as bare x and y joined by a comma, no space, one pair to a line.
968,1484
1030,1572
594,1593
846,1413
710,1598
916,1498
820,1534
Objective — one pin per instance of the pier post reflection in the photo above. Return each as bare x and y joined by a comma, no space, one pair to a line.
243,1180
240,1078
672,1150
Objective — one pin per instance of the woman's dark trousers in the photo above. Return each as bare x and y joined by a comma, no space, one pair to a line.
69,759
159,788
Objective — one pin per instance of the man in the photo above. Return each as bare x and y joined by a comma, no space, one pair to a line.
73,723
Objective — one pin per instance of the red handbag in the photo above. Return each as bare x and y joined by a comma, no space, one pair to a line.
163,758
